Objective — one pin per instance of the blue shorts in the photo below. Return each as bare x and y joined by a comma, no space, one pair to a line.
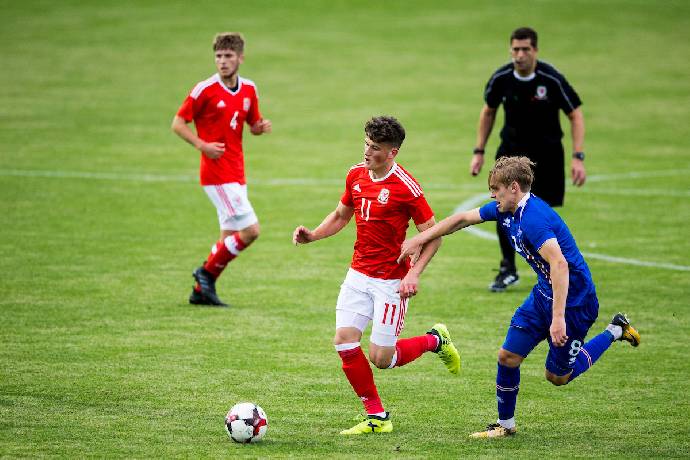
532,321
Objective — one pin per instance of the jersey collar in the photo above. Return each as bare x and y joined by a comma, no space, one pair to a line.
222,85
393,168
529,77
521,205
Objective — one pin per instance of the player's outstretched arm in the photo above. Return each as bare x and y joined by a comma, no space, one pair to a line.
413,246
559,274
332,224
410,284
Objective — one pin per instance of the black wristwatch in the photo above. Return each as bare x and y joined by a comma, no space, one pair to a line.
478,151
579,156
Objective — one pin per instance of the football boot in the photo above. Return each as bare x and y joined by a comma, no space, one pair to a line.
446,350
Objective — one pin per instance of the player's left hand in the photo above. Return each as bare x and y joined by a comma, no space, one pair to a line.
558,332
410,248
577,171
408,285
302,235
262,126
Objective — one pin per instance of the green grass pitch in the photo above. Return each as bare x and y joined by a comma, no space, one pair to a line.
102,222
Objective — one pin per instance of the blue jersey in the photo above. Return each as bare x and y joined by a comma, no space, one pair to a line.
528,228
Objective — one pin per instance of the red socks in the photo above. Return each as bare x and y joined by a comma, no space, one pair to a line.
222,254
360,376
358,372
410,349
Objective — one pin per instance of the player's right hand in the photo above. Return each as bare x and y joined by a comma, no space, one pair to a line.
476,164
213,150
410,248
302,235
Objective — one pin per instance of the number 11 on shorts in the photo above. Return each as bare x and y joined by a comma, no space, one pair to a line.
385,313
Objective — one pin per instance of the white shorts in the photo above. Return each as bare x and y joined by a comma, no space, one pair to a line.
235,212
363,299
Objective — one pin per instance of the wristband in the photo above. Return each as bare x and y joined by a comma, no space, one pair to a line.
478,151
579,156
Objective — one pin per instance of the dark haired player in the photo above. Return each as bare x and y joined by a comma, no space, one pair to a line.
532,93
383,197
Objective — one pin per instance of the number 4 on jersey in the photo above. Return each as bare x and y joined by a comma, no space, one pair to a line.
233,122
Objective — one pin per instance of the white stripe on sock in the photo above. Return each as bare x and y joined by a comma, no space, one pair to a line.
346,346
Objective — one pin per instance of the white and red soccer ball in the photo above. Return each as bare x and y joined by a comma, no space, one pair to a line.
246,422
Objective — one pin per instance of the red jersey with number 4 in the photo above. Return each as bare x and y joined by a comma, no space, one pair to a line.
219,116
383,209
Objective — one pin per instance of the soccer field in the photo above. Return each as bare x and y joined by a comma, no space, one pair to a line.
103,222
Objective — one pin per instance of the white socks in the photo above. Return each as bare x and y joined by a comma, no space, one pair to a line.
507,424
616,331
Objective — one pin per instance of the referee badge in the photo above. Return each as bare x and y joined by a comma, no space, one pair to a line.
541,92
383,196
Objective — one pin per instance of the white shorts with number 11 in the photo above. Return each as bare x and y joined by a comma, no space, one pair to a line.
363,299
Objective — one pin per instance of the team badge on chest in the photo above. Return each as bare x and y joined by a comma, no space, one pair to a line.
541,92
246,104
383,196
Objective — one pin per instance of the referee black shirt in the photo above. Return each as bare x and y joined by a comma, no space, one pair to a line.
531,105
532,125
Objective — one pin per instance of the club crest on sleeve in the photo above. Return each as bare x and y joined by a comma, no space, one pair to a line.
383,196
541,92
246,104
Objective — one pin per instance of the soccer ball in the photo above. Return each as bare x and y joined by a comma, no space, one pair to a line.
246,422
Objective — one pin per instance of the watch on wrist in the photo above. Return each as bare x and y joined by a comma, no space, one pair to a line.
478,151
579,156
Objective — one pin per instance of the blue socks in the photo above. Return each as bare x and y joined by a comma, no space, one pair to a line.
590,352
507,387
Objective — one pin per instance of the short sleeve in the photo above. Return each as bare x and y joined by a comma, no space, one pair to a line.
489,211
569,99
346,199
254,114
537,231
187,109
492,92
420,210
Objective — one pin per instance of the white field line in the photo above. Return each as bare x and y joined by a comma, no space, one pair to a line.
470,203
476,200
479,185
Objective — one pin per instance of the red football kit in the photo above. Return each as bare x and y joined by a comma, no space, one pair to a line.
383,208
219,116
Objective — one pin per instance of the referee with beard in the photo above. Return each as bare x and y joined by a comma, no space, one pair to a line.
532,93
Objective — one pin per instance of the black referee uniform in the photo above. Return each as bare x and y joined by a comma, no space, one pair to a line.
532,128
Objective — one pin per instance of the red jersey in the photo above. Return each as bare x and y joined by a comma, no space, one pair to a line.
383,209
219,116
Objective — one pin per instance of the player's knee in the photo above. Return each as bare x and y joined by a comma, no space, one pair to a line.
557,380
380,361
346,335
381,357
509,359
250,234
